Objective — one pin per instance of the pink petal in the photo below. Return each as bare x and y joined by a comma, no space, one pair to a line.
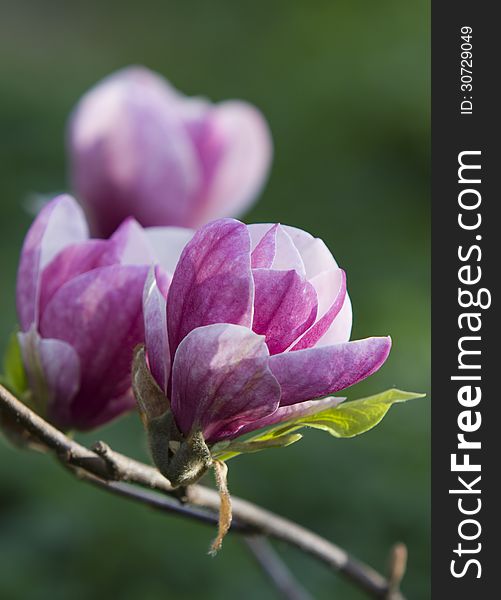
131,154
99,313
168,244
258,231
324,283
212,282
71,262
285,306
314,253
53,370
59,224
316,372
263,254
130,244
236,153
340,330
291,412
155,329
286,255
113,408
221,381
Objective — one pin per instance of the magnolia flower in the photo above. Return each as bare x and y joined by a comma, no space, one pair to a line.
80,312
139,147
254,331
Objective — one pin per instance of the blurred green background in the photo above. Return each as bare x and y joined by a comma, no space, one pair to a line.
345,87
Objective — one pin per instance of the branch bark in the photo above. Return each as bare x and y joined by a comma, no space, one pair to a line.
276,570
121,475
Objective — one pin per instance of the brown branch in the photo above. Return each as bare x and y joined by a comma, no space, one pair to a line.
111,471
276,570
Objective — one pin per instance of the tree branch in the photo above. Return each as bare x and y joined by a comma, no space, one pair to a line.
116,473
275,568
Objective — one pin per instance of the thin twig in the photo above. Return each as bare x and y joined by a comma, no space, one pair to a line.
277,571
158,501
109,470
396,569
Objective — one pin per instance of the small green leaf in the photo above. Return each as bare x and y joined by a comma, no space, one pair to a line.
14,375
350,418
263,441
344,421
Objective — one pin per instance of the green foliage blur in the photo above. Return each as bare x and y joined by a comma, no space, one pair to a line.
344,85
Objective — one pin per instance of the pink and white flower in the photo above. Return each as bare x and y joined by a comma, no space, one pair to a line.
80,311
138,147
255,329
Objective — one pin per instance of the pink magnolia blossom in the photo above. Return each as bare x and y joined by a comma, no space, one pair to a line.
80,311
255,329
138,147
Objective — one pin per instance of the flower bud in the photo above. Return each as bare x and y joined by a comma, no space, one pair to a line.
138,147
79,303
254,330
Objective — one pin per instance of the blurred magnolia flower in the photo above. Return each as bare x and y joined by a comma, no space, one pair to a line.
254,330
138,147
80,312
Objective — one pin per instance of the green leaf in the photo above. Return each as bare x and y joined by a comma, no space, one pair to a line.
350,418
263,441
344,421
14,376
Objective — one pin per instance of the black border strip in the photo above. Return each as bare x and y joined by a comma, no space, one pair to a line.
457,408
